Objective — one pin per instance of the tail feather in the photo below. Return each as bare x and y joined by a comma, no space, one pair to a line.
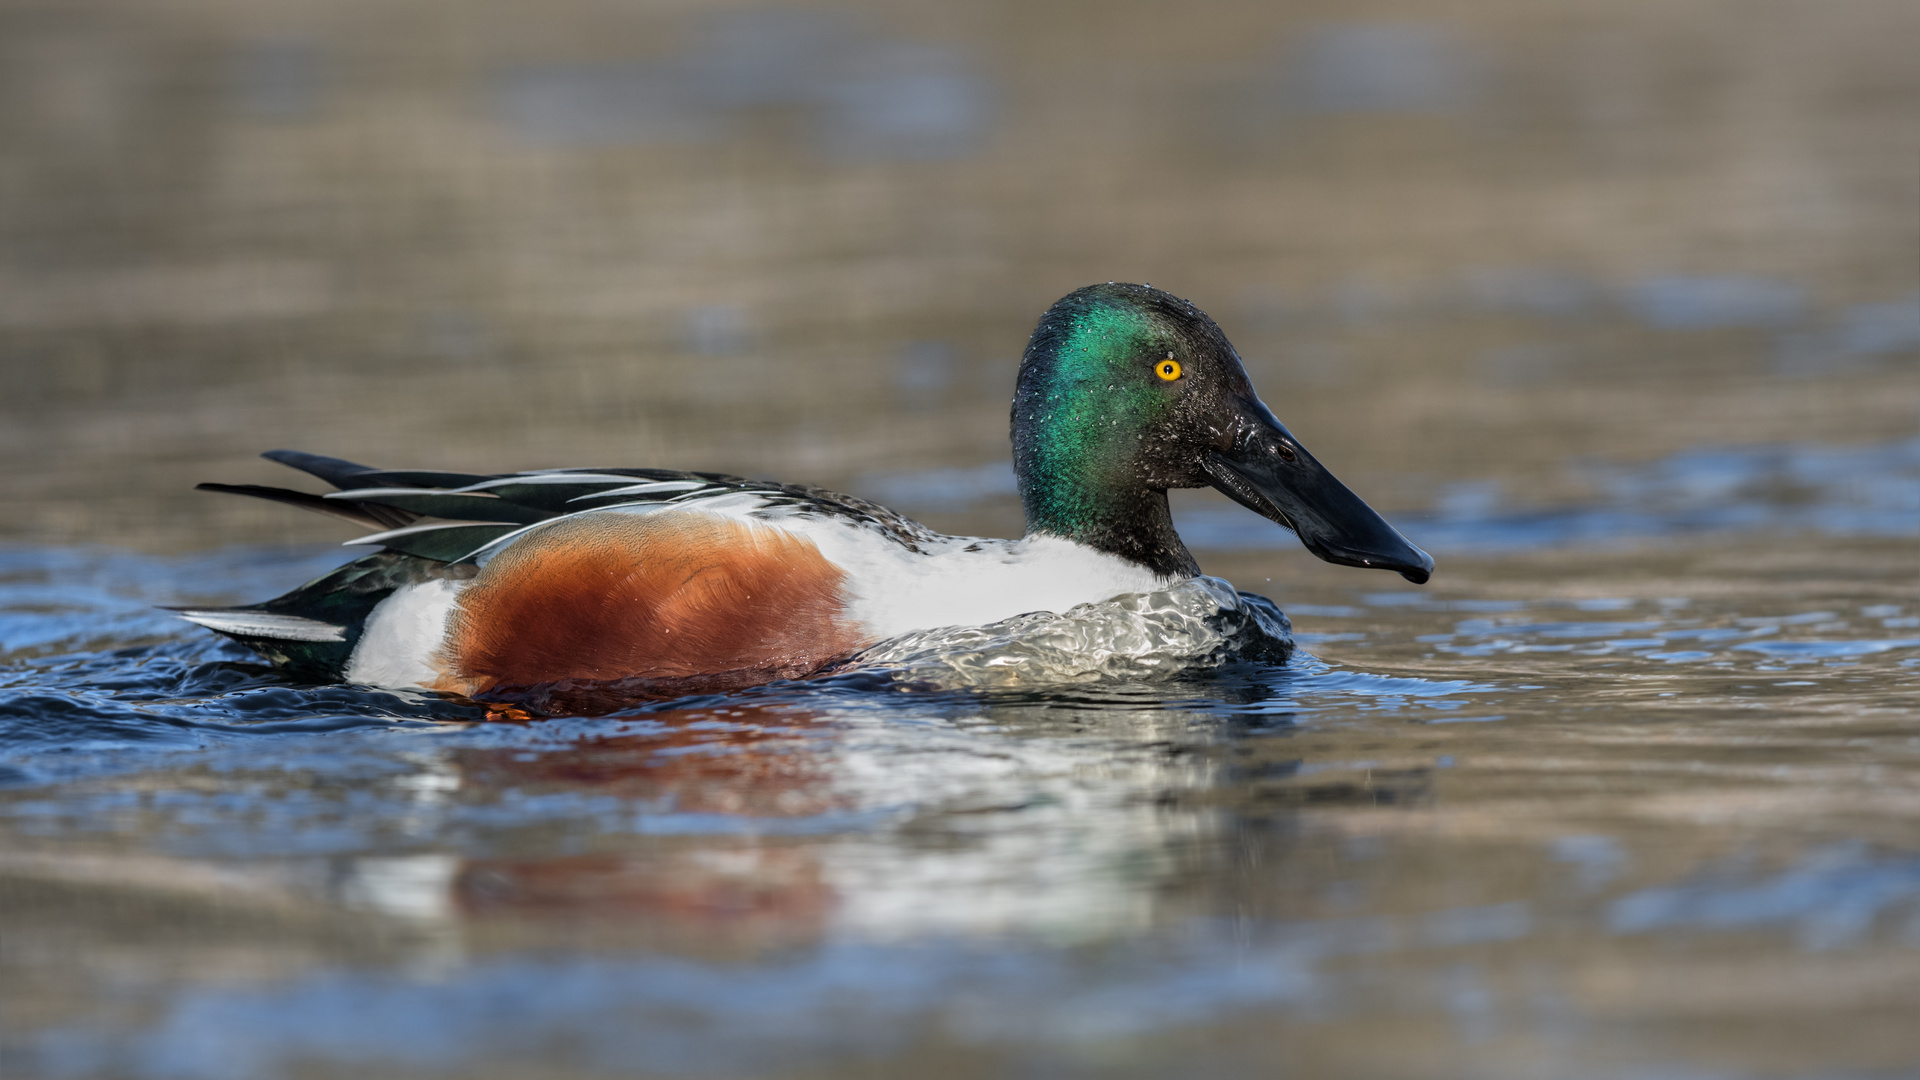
368,514
247,622
341,474
313,629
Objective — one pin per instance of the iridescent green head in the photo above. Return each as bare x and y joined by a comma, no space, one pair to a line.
1126,391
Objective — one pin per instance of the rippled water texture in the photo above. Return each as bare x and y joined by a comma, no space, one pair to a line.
1612,307
1504,819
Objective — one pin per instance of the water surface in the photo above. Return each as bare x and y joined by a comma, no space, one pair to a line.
1525,825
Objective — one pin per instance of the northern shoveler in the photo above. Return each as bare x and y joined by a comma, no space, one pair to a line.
650,582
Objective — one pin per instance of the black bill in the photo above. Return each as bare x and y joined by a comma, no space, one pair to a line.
1270,473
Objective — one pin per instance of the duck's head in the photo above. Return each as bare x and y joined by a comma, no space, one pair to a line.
1126,391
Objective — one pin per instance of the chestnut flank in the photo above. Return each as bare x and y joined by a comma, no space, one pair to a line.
647,600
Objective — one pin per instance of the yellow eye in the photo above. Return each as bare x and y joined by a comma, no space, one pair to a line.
1168,369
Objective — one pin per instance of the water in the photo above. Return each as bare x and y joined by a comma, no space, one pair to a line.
1524,825
1612,308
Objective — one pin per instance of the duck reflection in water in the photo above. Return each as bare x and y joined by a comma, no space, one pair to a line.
744,761
762,824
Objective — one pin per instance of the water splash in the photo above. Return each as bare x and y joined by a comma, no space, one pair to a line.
1202,623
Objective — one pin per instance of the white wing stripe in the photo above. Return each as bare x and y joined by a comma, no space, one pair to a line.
262,624
657,488
547,478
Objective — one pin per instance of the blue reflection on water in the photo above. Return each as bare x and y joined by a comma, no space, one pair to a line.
675,1015
668,1014
1598,859
871,999
1809,651
1859,333
283,79
1879,328
1381,68
868,98
1830,897
1715,302
1532,290
1804,342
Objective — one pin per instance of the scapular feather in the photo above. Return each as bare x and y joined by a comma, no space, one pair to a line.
440,543
455,505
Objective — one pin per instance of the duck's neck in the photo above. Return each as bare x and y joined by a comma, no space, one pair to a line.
1133,524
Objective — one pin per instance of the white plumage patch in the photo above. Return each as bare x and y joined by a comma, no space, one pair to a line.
400,646
968,582
261,624
951,580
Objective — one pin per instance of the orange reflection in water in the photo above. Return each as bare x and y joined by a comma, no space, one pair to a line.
717,879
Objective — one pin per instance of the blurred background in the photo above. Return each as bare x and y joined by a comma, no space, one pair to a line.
1495,262
1614,305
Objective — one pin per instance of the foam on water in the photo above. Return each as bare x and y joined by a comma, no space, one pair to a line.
1202,623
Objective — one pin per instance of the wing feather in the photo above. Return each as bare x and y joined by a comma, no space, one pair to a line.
549,491
483,508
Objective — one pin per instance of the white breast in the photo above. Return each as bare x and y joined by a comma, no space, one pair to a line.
969,582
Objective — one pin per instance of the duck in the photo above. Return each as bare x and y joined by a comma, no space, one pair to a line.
537,587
